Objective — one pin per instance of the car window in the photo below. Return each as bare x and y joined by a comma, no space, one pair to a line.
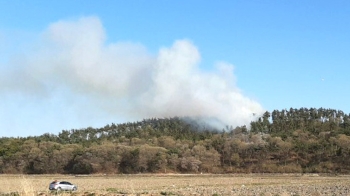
64,182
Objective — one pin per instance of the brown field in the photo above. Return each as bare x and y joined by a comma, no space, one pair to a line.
174,184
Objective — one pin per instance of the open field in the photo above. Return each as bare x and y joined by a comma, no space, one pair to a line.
173,184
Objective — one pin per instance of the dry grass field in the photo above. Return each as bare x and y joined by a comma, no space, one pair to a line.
173,184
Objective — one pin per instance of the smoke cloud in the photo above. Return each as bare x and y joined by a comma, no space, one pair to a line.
73,66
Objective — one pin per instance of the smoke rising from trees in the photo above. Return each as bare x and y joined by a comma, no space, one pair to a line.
73,68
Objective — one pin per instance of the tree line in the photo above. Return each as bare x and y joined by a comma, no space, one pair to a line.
288,141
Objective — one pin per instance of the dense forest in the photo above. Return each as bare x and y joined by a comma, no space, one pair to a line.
289,141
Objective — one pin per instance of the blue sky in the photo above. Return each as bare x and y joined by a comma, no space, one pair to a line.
74,64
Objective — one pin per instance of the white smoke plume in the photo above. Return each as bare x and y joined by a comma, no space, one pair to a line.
72,65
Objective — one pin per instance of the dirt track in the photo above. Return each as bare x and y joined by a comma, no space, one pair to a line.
173,184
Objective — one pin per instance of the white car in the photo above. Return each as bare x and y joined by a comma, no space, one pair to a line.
62,186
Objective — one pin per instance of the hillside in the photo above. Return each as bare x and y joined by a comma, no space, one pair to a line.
289,141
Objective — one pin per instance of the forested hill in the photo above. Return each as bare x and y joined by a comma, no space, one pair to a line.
292,141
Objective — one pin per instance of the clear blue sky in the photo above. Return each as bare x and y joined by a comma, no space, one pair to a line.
73,64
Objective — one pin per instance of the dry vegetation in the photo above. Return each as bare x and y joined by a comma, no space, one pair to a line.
239,184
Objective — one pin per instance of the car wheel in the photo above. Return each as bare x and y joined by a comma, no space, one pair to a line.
59,189
74,188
